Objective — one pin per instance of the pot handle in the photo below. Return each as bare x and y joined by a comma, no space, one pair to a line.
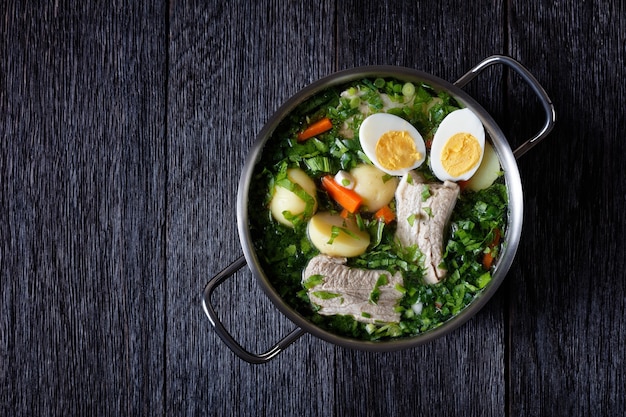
532,82
221,331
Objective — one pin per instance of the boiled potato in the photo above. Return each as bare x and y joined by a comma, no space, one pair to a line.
487,172
375,187
349,242
285,200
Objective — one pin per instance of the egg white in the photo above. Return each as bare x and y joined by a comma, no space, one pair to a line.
374,126
459,121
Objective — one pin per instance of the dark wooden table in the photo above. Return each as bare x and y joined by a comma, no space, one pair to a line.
123,131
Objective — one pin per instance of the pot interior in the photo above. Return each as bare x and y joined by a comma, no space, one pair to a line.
510,177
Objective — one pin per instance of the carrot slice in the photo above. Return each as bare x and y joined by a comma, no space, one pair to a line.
348,199
487,260
385,214
488,256
321,126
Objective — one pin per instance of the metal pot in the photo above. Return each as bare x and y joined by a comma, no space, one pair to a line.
507,159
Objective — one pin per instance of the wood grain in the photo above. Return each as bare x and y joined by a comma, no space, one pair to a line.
83,191
568,297
231,67
123,132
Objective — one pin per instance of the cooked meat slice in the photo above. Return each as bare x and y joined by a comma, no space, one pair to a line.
370,296
423,210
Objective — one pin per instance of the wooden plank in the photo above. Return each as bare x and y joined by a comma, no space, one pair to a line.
82,110
119,163
568,303
231,66
462,373
210,62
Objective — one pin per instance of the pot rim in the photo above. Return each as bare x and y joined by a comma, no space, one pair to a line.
508,165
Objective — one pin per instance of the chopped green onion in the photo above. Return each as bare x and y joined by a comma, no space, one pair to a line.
335,230
483,280
325,295
318,164
387,177
408,90
313,281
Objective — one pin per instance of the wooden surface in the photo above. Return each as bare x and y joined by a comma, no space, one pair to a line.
123,131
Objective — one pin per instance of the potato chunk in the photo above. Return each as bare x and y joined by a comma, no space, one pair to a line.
374,186
335,236
488,171
286,201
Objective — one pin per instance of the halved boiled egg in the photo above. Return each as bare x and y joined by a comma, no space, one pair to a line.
391,143
458,146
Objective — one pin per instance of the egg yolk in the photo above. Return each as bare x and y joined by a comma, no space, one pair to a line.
395,149
460,154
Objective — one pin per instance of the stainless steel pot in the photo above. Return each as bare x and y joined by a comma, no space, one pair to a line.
511,174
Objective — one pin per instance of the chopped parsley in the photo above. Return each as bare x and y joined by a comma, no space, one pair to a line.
375,294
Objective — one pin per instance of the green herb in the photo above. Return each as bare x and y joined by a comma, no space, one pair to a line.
360,223
375,293
408,90
313,281
425,192
319,164
336,230
377,233
423,95
387,177
347,153
382,280
483,280
326,98
325,295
